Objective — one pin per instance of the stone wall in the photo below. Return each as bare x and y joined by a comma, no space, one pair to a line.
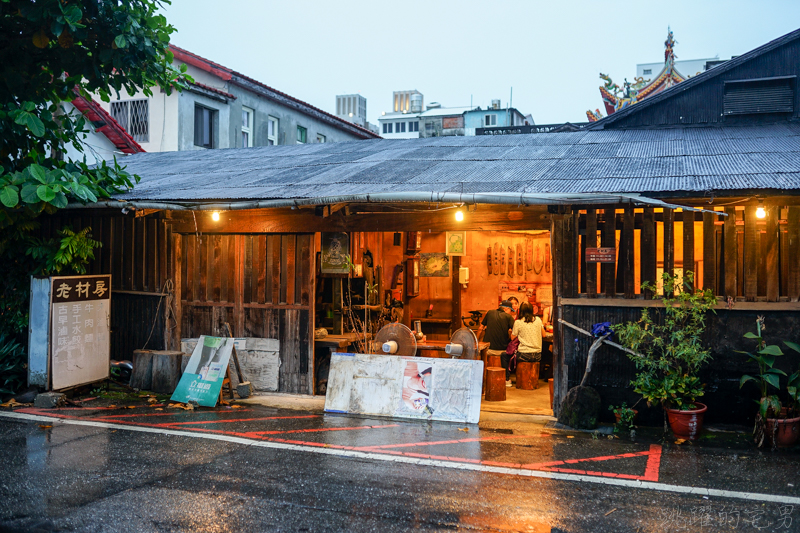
259,360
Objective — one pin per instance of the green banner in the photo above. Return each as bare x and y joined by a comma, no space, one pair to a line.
201,382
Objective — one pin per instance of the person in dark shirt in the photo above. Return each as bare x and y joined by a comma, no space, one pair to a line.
496,330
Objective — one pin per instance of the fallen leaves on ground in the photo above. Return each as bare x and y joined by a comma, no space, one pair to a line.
680,441
570,436
463,429
42,426
10,403
236,407
184,406
151,399
159,409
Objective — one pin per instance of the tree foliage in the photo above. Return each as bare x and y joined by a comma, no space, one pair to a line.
48,50
51,51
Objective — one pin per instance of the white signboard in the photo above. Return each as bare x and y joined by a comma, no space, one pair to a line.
80,323
426,388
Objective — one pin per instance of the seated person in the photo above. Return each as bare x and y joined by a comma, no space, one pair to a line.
528,329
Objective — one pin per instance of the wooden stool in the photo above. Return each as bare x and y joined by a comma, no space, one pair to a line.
493,360
527,375
495,384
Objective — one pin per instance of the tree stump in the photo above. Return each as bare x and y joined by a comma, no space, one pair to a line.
142,374
156,370
493,360
495,384
527,375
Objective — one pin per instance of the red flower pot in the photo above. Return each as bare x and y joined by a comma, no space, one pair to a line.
787,432
687,424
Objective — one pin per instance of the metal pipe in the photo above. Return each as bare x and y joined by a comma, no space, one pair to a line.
521,199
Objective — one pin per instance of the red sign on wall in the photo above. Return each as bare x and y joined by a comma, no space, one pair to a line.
601,255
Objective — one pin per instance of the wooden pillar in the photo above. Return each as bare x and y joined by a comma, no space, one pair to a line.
648,249
750,254
609,239
176,260
793,246
238,307
731,244
590,270
626,253
688,244
669,243
772,266
709,252
455,321
559,368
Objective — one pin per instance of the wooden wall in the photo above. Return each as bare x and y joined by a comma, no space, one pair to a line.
262,285
135,252
750,264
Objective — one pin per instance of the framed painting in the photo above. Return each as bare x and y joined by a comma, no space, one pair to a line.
335,248
435,265
456,243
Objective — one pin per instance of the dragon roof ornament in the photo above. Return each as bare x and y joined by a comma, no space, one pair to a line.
615,97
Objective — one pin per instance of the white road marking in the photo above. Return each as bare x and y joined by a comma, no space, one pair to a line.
629,483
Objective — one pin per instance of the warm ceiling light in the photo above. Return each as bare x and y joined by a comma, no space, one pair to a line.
215,216
760,212
459,215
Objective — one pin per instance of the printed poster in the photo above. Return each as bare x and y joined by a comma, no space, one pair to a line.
201,382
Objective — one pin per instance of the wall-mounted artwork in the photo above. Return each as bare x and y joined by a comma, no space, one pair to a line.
335,247
435,265
456,243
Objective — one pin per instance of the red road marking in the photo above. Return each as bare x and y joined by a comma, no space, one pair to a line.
321,429
168,424
434,443
650,472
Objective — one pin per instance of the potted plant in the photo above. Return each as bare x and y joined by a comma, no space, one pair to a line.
626,417
776,424
669,353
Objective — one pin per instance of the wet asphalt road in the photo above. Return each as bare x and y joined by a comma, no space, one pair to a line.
197,471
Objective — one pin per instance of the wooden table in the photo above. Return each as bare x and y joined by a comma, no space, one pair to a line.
436,349
338,342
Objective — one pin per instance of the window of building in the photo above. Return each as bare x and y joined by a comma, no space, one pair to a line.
400,127
647,71
387,127
413,126
272,131
204,133
134,116
490,120
247,127
302,135
320,138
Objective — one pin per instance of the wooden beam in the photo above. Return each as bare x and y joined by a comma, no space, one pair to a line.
709,252
772,265
688,244
609,240
176,273
793,246
490,218
669,242
589,270
626,253
750,253
648,249
731,244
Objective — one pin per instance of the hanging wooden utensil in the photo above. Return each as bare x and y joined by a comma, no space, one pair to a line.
538,260
489,259
502,260
520,269
529,253
547,257
510,262
496,260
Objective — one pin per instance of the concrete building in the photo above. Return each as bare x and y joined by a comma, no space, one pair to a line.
688,67
225,109
352,108
494,117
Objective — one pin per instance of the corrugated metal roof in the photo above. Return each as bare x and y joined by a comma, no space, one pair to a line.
692,159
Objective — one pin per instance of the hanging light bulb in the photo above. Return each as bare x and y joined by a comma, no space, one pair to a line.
760,212
215,216
459,215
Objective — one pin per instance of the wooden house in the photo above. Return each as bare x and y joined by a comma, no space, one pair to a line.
726,142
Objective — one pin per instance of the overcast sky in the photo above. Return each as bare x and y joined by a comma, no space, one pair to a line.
457,51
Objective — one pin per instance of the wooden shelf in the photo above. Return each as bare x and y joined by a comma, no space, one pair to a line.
433,320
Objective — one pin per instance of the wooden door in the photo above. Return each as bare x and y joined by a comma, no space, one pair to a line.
263,286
